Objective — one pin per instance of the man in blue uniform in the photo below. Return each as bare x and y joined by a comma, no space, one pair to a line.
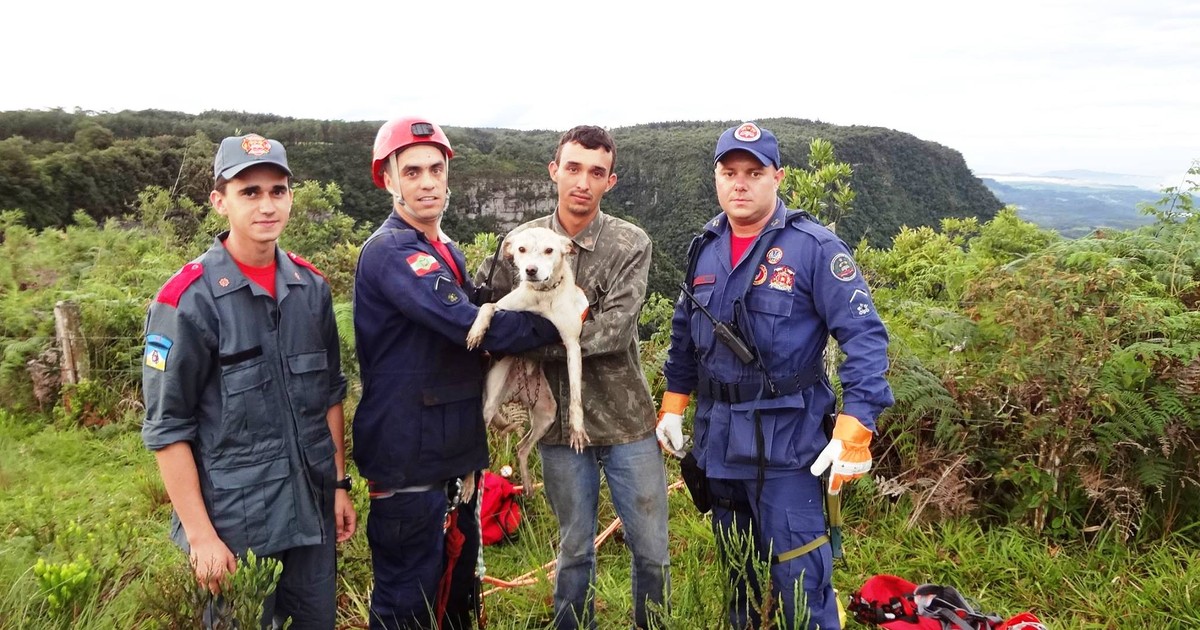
243,387
419,433
781,283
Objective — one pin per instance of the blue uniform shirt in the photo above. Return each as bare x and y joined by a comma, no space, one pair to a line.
420,420
803,287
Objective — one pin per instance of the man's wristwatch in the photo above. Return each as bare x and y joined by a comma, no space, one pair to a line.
344,483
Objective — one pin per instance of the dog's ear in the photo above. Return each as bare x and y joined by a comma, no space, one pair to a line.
569,247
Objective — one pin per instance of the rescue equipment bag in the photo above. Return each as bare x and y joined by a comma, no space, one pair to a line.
897,604
499,509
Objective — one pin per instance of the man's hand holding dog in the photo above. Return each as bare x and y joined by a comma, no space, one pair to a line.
670,423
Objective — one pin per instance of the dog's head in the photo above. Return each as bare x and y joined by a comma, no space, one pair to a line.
540,255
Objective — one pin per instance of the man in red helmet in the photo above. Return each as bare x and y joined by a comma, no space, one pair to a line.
419,434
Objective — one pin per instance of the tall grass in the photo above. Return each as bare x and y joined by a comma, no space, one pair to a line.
83,492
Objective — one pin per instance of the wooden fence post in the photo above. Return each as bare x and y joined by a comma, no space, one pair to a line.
74,360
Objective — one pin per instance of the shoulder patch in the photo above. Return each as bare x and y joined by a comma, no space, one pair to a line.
172,291
843,268
157,349
304,263
422,263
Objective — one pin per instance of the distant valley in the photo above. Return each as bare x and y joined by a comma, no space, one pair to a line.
1076,202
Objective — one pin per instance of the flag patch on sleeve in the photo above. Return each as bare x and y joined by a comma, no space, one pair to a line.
422,263
157,349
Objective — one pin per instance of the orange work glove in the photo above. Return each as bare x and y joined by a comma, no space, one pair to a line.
848,454
670,423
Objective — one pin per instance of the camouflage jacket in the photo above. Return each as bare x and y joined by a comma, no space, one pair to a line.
612,265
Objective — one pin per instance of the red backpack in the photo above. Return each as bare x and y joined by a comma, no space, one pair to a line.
897,604
499,509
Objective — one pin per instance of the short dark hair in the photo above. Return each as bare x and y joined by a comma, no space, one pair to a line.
590,137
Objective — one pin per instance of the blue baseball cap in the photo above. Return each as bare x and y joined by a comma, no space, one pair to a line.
238,153
749,137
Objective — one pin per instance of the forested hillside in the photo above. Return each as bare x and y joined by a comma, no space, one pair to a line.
53,163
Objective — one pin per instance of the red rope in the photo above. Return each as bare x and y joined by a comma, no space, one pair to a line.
454,546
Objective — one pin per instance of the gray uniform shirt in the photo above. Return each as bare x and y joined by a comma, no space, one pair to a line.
247,380
612,265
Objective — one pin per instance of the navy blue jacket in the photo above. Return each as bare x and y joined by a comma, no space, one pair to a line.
420,420
802,288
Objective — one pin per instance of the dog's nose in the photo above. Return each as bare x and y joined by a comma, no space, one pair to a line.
531,271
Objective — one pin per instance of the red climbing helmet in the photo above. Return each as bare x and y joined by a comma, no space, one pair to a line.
399,133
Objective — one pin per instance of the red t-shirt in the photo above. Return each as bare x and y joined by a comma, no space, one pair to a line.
262,276
738,246
445,252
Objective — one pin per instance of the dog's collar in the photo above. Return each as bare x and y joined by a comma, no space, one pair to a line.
550,287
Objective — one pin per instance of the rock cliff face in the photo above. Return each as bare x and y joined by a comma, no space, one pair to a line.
510,201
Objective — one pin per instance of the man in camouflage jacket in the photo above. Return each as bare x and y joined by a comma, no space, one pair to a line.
612,263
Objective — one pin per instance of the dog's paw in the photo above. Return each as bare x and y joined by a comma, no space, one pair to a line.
475,337
579,439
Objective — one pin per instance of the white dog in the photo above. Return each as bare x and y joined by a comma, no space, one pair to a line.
547,287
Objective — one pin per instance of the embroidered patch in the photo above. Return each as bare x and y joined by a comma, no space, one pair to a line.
843,268
157,349
707,278
860,304
774,255
256,145
447,290
422,264
783,278
748,132
760,276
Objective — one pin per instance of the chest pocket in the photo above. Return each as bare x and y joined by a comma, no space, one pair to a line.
701,327
309,391
769,312
245,418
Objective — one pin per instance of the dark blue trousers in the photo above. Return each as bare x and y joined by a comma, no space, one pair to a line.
790,513
408,558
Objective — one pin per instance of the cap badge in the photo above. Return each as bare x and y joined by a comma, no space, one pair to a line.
748,132
256,145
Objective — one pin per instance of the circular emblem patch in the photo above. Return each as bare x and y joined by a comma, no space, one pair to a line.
760,276
256,145
842,267
774,255
224,282
748,132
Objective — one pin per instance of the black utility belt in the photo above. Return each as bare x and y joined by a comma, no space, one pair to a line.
746,391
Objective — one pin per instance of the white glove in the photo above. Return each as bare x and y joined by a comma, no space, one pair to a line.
670,434
848,454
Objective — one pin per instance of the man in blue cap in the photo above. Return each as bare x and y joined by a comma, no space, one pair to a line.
776,284
243,388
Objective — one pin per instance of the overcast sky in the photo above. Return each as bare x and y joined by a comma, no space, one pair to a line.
1016,86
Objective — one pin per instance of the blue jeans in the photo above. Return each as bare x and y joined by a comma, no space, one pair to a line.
638,485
